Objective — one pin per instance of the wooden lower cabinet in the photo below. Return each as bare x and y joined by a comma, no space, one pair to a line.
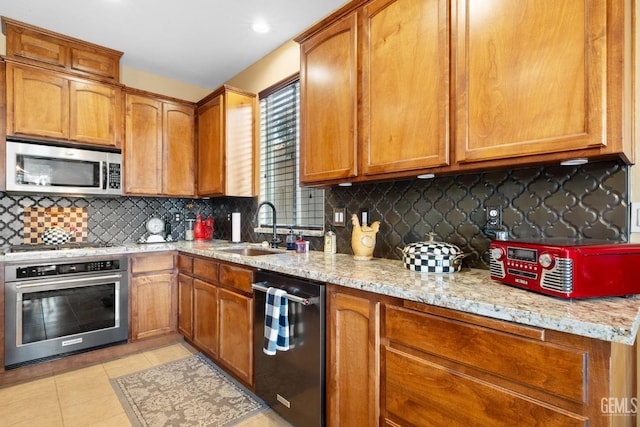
219,296
399,363
236,333
353,368
442,367
185,305
153,295
205,317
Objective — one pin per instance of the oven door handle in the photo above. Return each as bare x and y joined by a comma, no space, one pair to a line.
67,281
260,286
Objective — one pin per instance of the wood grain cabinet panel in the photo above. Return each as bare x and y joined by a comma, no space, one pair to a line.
153,291
159,149
178,135
95,110
530,77
237,277
353,359
38,46
439,86
43,103
219,296
142,149
405,95
236,333
457,368
185,305
153,305
227,158
418,391
329,103
556,369
37,102
205,317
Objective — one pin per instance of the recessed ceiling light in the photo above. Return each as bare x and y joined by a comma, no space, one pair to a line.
260,26
345,184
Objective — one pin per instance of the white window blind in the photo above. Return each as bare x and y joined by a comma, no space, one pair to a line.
302,208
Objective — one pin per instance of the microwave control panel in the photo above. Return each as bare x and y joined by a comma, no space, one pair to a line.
114,176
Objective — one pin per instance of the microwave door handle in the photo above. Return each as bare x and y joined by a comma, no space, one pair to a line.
105,178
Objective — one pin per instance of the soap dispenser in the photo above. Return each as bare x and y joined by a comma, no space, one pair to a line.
330,242
291,240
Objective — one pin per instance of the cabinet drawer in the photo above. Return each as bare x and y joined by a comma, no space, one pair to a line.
417,390
545,366
151,262
206,269
185,264
237,277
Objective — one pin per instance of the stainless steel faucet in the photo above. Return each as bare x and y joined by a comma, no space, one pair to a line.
275,240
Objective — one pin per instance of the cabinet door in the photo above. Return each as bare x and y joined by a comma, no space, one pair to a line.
405,89
153,305
143,146
37,103
211,148
205,317
179,144
94,113
185,305
530,77
353,366
329,104
236,333
240,174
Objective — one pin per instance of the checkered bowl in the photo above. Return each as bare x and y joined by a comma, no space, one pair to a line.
432,257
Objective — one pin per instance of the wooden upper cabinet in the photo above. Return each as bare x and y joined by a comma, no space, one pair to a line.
531,77
329,103
159,152
179,152
95,112
210,147
227,144
37,103
422,86
143,146
405,96
43,103
27,43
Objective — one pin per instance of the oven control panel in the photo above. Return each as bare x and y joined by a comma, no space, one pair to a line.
65,268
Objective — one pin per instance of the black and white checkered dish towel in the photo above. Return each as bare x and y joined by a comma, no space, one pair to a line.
276,322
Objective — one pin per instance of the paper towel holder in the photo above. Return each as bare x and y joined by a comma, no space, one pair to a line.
236,222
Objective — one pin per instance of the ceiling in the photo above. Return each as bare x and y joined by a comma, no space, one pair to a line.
202,42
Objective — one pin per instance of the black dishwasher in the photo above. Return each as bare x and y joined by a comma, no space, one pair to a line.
292,382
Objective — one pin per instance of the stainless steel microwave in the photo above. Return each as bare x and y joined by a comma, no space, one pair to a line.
35,168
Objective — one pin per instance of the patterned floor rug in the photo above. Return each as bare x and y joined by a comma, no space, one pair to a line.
186,392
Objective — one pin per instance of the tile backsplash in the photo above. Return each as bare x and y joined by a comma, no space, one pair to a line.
589,201
109,220
37,219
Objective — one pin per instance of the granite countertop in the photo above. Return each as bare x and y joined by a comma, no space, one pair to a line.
611,319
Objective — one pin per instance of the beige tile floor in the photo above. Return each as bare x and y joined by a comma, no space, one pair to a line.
85,397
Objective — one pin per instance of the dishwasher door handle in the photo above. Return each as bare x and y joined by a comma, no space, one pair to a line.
260,286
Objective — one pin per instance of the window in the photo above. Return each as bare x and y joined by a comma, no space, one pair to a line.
302,208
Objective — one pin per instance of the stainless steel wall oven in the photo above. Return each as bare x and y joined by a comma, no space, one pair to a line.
63,306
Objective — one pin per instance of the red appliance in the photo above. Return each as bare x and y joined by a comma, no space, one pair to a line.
568,268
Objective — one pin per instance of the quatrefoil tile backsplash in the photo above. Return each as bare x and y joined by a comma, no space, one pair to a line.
589,201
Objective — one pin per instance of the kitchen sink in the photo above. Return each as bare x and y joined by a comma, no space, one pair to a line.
248,251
